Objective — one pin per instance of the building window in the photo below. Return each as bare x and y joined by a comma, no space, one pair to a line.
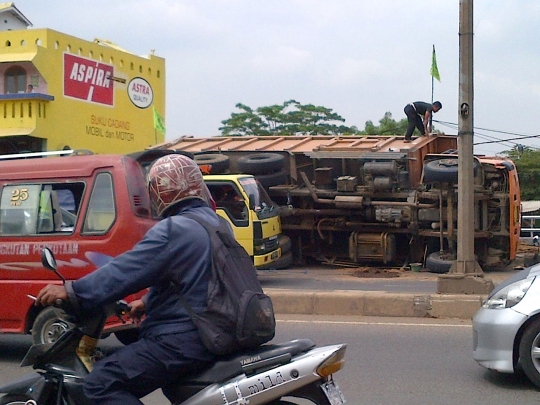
15,80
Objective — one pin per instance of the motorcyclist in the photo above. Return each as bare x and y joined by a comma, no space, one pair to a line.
169,344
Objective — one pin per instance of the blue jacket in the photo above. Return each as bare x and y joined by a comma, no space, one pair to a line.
176,244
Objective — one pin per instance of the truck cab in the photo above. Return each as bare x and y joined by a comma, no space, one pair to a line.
244,203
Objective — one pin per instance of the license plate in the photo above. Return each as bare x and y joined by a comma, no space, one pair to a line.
274,255
333,393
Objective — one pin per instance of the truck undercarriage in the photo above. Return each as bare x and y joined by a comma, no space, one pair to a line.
378,199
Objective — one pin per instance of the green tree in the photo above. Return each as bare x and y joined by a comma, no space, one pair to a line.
387,126
516,152
527,162
289,118
246,122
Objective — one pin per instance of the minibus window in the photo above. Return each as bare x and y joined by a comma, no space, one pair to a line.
101,212
19,206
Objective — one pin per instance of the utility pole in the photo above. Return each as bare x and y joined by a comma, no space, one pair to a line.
465,275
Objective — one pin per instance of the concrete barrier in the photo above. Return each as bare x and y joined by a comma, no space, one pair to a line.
374,303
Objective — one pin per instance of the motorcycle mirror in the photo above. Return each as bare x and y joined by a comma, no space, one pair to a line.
49,262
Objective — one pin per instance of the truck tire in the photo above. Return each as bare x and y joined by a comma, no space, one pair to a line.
219,162
285,243
261,163
47,327
436,264
443,170
272,179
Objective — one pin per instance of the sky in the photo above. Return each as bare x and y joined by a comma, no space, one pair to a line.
361,58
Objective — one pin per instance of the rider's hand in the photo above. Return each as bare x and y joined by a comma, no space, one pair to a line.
50,293
138,309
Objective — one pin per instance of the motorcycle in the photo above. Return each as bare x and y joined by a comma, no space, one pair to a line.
273,374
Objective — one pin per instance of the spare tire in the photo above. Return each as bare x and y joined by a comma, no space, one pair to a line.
261,163
444,170
219,162
437,264
272,179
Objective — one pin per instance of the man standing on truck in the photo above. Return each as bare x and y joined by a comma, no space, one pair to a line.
169,346
419,115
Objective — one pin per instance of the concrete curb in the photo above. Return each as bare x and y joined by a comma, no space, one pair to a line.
374,303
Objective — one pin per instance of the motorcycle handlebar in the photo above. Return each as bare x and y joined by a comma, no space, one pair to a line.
119,308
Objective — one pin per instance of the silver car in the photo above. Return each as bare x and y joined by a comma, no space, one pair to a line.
506,330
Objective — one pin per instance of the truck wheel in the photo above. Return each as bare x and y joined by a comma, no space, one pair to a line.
285,243
47,327
443,170
436,264
127,336
272,179
261,163
219,162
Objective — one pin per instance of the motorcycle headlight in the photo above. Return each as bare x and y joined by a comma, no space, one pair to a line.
509,296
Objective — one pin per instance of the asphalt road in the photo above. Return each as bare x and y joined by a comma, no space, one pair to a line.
389,361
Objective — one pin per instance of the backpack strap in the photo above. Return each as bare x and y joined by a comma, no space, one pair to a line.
209,228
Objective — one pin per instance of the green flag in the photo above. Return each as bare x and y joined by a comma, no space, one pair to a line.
159,125
434,69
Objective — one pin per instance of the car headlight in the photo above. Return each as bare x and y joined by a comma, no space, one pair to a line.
509,296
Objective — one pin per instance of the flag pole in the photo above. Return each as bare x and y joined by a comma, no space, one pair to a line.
431,117
432,91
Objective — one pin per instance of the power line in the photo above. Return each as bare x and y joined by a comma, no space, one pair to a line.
519,137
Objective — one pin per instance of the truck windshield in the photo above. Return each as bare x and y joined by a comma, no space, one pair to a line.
263,205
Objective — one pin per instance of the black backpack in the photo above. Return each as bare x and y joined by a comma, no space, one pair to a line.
238,314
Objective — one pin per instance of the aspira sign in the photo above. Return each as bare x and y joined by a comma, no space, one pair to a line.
88,80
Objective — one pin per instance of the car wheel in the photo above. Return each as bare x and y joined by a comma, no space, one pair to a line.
261,163
529,352
127,336
47,327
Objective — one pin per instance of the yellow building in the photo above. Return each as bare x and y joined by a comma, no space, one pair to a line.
61,92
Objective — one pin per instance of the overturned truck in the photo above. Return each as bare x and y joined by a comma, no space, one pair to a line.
373,199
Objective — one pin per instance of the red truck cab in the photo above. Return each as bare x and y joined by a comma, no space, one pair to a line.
86,208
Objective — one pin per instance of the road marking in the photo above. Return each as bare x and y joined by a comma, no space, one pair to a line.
435,325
